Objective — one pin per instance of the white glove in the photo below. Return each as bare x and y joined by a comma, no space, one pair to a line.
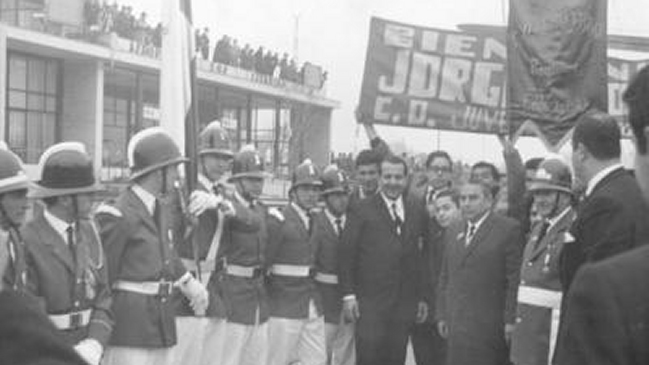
200,201
193,290
227,208
90,350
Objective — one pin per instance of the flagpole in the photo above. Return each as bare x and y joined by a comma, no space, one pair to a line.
191,124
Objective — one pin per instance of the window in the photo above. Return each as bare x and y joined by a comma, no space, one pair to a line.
32,107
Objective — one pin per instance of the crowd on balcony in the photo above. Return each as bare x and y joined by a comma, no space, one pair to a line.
103,18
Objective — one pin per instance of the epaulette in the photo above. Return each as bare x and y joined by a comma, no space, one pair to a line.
104,208
274,212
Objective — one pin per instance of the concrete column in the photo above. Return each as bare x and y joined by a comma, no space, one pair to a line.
3,81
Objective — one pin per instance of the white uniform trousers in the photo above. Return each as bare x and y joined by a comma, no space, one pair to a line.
118,355
190,333
244,344
213,341
297,341
340,344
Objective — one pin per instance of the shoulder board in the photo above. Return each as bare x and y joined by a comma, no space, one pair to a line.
104,208
274,212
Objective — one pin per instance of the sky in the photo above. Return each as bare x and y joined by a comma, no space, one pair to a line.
334,34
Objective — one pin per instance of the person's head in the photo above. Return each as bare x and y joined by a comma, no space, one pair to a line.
595,145
305,185
439,169
531,166
13,189
447,207
488,174
368,164
551,188
154,160
475,199
215,151
67,182
394,176
335,190
248,173
636,96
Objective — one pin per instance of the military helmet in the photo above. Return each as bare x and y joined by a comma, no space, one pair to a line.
552,174
152,149
65,168
247,163
305,173
214,139
334,181
12,174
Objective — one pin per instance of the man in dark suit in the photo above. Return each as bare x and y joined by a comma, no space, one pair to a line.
612,218
476,305
381,268
606,320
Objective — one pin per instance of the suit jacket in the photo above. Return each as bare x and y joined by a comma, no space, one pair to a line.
27,337
607,313
14,274
327,242
478,288
243,243
612,219
289,244
382,268
67,284
137,251
531,339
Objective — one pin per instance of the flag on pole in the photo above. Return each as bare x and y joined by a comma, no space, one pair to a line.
178,56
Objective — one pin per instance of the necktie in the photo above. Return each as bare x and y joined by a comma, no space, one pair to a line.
309,224
542,233
339,226
156,213
429,197
398,222
470,233
71,243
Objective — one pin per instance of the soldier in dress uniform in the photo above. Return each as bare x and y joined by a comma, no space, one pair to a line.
327,230
13,207
296,325
66,267
200,338
539,297
144,268
243,253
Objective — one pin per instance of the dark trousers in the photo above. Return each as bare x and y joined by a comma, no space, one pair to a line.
381,341
428,346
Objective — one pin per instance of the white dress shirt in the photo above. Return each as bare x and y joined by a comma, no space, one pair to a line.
59,225
398,205
332,219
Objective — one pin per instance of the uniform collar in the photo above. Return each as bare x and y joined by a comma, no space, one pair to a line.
303,214
58,224
147,198
332,218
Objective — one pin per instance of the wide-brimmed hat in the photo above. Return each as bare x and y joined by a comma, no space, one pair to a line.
214,139
65,169
12,173
306,173
152,149
552,174
334,181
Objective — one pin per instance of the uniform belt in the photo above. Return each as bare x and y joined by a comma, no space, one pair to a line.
243,271
326,278
207,266
72,320
539,297
291,270
158,288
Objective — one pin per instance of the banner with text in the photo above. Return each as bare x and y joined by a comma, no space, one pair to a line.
556,64
440,79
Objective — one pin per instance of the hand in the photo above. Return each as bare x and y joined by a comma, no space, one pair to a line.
227,208
350,310
442,328
422,312
509,330
508,145
197,295
200,201
90,350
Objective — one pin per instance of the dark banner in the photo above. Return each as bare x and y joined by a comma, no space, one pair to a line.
432,78
556,64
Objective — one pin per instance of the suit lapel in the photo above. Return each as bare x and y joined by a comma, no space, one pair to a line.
329,228
385,213
479,236
140,209
55,242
